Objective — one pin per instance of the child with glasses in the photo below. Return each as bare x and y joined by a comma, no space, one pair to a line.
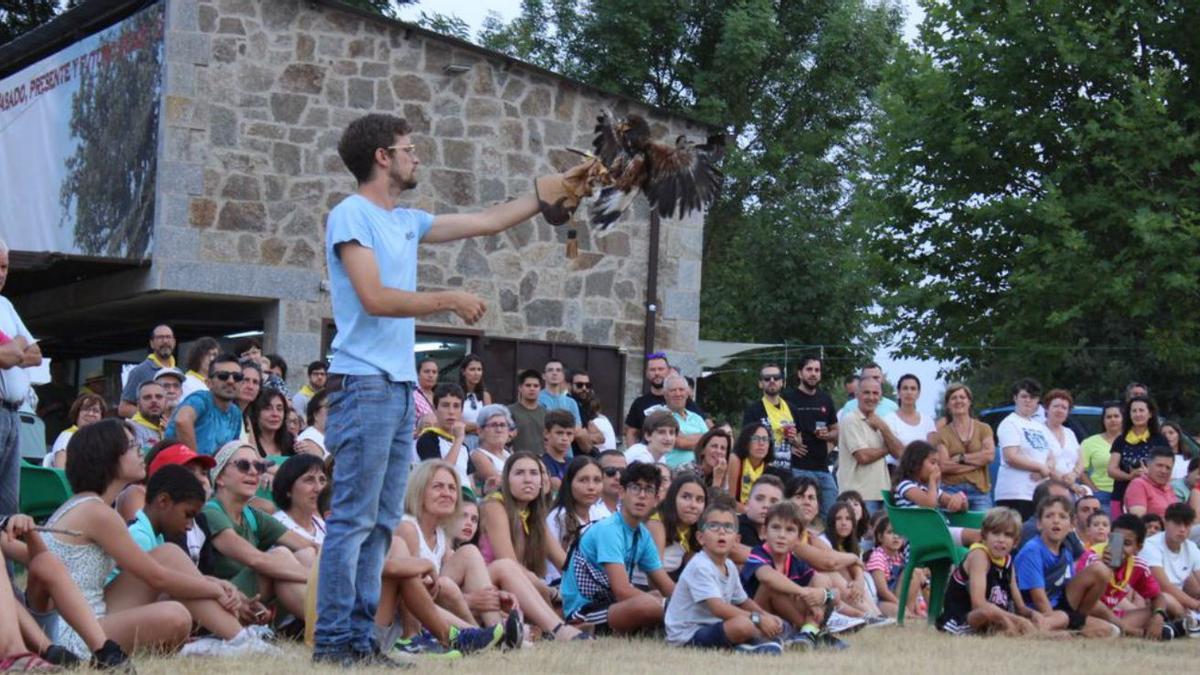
709,608
596,585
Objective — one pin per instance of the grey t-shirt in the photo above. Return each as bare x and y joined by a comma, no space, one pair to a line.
700,581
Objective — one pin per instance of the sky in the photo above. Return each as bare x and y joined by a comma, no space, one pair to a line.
474,12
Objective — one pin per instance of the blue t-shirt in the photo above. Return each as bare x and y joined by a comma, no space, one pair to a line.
561,401
1038,567
365,344
143,535
214,427
610,541
555,468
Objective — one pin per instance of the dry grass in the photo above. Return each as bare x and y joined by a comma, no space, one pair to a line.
910,650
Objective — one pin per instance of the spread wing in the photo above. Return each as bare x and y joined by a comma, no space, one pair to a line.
607,143
684,178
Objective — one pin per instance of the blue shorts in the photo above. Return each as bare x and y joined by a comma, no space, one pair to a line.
710,636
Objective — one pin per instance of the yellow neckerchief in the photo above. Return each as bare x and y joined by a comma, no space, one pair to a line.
1131,437
196,376
154,358
307,391
138,419
998,562
777,416
497,496
72,429
749,475
1120,578
683,533
441,432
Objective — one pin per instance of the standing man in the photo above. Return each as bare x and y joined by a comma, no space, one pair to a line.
774,412
317,371
582,392
162,349
657,369
865,440
528,413
556,395
18,351
817,427
371,251
872,371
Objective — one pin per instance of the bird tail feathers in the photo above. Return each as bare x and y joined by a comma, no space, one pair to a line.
610,204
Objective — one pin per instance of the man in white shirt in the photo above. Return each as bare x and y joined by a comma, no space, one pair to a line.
18,351
1174,560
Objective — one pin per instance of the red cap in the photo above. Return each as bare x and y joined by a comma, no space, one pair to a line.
179,454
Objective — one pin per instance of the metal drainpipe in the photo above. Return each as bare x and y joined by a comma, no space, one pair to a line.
651,290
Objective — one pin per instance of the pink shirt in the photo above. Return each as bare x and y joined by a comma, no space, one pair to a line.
1144,492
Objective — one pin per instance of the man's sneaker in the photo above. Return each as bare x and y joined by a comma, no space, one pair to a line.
840,623
244,643
375,659
827,641
1172,631
879,621
514,630
470,640
263,633
1191,624
805,641
761,648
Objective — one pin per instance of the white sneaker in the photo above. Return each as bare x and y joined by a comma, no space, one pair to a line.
244,643
840,623
879,621
1191,623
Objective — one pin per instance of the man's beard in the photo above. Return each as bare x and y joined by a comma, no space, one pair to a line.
657,384
811,385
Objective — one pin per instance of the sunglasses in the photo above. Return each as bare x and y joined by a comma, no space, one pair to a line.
244,465
226,375
611,471
769,378
583,385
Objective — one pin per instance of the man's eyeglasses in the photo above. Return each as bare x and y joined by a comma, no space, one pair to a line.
244,465
640,489
611,471
771,377
226,375
728,528
410,149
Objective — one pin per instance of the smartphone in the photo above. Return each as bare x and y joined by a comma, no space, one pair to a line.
1116,550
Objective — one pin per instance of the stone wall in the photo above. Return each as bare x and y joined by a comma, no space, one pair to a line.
256,96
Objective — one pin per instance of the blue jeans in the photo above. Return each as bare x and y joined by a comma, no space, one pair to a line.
976,500
827,483
369,433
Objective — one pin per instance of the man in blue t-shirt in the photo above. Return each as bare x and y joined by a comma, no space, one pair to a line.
371,252
210,418
1044,577
596,586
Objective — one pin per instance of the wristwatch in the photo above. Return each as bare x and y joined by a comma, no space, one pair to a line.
756,618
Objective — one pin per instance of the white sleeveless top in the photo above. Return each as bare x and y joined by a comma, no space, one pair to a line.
438,551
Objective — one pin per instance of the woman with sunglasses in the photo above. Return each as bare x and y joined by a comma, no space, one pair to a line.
252,550
102,459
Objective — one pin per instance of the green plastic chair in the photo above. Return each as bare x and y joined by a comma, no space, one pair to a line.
929,545
968,519
43,490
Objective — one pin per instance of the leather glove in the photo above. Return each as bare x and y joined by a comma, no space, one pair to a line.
559,194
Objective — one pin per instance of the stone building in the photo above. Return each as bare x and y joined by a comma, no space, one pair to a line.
254,96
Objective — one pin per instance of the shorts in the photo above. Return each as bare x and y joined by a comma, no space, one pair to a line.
710,636
1075,620
594,613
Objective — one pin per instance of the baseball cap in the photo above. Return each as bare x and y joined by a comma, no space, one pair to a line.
174,372
178,454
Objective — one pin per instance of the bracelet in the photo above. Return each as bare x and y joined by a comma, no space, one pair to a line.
1160,612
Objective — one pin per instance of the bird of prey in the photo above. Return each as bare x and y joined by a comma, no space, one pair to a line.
676,179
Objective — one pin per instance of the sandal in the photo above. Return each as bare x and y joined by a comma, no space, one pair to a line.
27,663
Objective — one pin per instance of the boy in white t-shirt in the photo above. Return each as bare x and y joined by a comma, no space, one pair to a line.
709,608
1024,450
1174,561
658,433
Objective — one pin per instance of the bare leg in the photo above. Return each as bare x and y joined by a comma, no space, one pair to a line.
160,625
289,593
11,642
510,576
33,635
637,612
129,592
1085,588
465,567
793,610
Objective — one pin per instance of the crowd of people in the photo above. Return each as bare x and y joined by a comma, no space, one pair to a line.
382,510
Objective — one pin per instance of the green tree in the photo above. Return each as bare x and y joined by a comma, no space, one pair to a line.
791,82
19,16
384,7
109,188
1033,195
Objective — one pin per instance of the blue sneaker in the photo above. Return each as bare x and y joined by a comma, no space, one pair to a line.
426,645
468,640
760,649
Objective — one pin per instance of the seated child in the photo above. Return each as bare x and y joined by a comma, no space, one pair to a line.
1099,525
1044,567
1174,561
783,584
1154,524
1132,574
885,564
766,492
709,607
920,485
982,594
596,585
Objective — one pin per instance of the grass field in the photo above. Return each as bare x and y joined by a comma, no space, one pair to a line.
910,650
